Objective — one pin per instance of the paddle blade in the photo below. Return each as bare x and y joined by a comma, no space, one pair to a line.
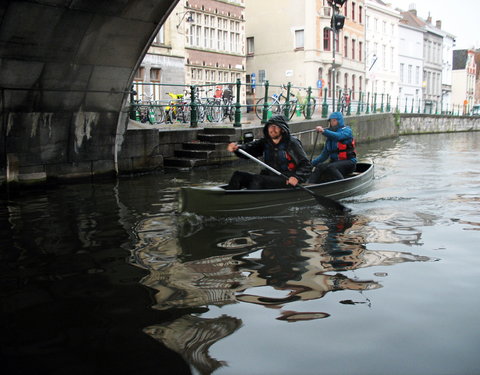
327,202
331,204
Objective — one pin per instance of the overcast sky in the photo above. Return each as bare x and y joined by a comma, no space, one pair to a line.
459,17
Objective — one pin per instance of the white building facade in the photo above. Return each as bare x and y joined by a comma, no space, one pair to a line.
446,100
382,37
410,59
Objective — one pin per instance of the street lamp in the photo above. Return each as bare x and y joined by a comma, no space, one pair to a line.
189,18
336,24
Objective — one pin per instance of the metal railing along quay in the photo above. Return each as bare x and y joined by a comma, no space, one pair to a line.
225,103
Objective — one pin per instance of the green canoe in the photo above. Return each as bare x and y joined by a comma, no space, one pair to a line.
218,202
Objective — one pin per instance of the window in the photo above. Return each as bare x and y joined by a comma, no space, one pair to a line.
409,76
360,14
401,72
417,75
353,49
360,51
384,56
330,75
392,51
261,76
354,78
140,74
353,11
345,47
160,37
250,45
154,75
326,39
299,42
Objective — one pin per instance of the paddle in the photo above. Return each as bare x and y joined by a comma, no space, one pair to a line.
324,201
314,145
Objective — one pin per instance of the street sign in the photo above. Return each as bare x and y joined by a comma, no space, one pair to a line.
319,84
253,81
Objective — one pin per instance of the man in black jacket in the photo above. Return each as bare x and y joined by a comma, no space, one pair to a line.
280,151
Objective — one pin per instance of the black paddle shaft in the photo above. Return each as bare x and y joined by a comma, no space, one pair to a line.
324,201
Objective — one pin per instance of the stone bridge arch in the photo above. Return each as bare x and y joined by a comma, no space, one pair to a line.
66,67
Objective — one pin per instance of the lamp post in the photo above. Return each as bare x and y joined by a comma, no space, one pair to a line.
336,24
189,18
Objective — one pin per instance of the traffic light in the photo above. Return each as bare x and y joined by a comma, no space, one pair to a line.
337,3
337,22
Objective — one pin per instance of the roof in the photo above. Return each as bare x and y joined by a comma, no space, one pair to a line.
460,59
410,18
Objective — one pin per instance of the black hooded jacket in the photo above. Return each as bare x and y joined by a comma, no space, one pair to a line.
287,156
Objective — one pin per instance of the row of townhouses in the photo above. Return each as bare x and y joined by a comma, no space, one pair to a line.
379,51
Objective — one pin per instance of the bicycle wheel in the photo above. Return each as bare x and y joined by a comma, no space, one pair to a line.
200,112
272,109
159,115
259,108
183,114
214,111
228,110
144,115
313,106
292,108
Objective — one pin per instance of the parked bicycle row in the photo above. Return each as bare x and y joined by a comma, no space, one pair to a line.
218,104
219,107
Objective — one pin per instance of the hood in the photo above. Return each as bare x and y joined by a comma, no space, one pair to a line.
339,117
279,120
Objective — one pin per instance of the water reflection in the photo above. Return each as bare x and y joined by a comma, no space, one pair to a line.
192,336
280,262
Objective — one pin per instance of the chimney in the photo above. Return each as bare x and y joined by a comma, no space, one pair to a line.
429,19
438,24
412,8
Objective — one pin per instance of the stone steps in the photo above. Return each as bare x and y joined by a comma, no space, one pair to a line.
208,149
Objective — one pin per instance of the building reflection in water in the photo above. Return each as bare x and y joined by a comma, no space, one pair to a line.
220,263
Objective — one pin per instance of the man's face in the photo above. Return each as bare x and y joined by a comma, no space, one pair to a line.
275,132
333,122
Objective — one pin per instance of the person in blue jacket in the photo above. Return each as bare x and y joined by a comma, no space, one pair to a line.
339,149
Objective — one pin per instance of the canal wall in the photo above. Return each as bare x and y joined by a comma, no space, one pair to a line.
146,149
420,123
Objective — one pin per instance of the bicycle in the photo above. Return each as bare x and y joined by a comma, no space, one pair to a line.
150,112
214,105
221,106
200,105
303,103
277,105
228,105
176,108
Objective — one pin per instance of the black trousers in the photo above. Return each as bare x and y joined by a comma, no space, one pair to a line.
245,180
335,170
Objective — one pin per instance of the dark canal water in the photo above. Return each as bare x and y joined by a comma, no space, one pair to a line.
106,278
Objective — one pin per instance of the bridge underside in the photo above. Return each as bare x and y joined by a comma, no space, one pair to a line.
66,67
